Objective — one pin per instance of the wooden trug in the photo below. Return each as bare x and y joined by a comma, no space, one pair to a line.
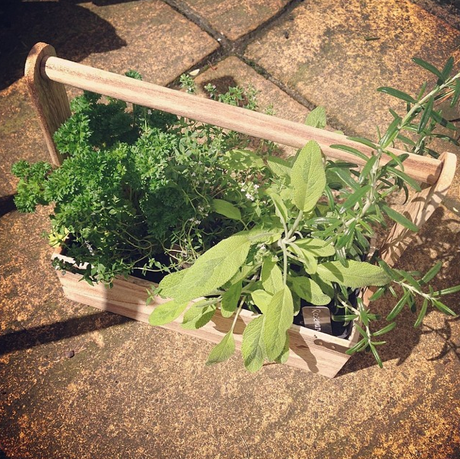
314,351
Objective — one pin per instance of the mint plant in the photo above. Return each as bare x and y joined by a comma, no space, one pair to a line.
313,246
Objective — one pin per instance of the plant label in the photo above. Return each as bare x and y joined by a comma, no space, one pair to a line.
317,318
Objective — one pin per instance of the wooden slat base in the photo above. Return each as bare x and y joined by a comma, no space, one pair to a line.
313,351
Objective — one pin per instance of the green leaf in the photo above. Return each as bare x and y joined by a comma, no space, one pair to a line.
317,247
402,175
222,351
317,118
385,329
399,218
398,306
309,290
167,312
261,299
422,313
432,272
375,354
241,160
271,276
397,93
168,284
280,208
367,168
454,100
308,177
354,198
427,110
226,209
278,319
198,315
446,70
357,274
212,269
309,261
351,150
279,166
391,133
253,346
443,308
230,299
427,66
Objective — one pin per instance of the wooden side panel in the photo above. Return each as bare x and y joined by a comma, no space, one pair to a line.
419,210
49,98
312,351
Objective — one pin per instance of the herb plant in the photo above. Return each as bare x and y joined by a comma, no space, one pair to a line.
313,246
141,190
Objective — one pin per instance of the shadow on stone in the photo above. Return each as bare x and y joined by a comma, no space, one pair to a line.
75,31
43,334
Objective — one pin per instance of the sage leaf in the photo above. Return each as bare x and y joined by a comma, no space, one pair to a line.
317,247
167,312
198,316
308,177
309,290
271,276
230,299
357,274
279,166
280,208
317,118
226,209
222,351
261,299
168,284
278,319
253,346
213,269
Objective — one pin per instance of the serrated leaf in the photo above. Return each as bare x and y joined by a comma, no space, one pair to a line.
399,218
212,269
167,312
278,319
222,351
308,177
253,346
226,209
198,316
230,299
309,290
317,118
357,274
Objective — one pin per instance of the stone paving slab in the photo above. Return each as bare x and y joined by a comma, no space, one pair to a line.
78,383
337,54
161,44
235,18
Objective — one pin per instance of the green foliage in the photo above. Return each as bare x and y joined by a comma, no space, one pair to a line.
137,184
245,229
314,245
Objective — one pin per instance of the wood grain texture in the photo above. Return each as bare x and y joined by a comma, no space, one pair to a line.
49,98
313,351
423,169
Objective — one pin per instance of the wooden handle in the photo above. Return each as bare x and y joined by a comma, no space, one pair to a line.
423,169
